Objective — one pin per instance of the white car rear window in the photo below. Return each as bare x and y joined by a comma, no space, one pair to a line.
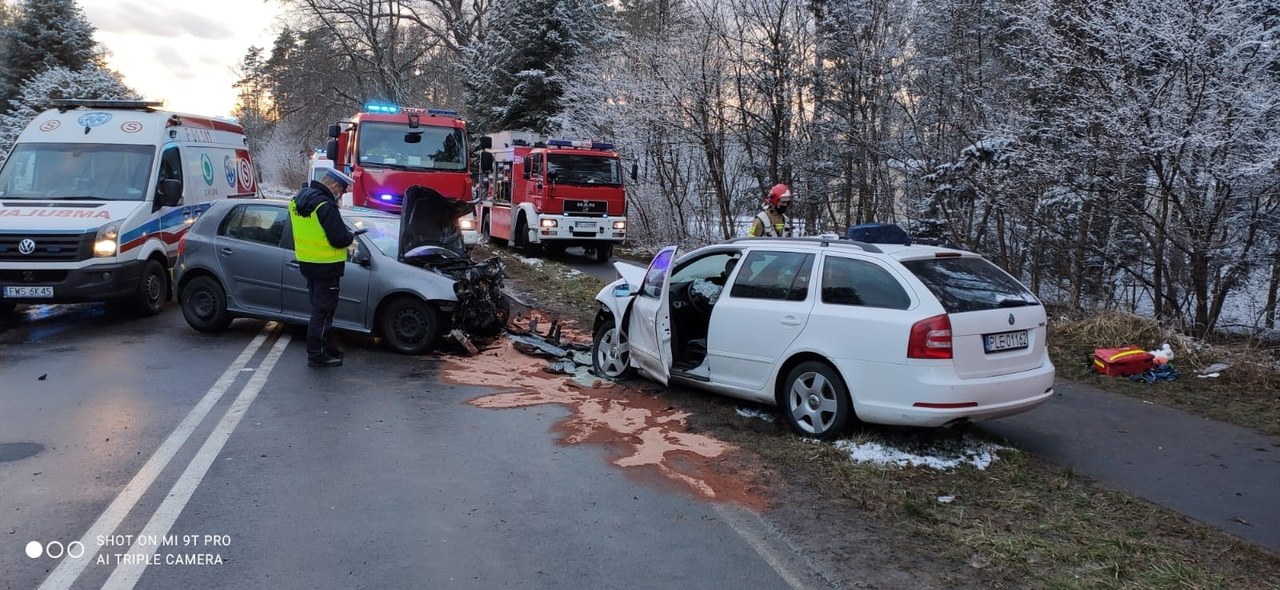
969,284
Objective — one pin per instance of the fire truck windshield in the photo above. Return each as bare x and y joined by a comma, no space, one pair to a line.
384,145
579,169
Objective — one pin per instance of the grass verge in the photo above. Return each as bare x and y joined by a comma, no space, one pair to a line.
1023,522
1247,393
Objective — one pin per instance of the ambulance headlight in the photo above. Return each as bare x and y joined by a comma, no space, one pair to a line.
107,242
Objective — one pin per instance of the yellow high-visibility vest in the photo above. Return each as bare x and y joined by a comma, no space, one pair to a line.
310,244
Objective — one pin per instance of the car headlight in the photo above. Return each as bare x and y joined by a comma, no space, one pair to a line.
549,223
107,242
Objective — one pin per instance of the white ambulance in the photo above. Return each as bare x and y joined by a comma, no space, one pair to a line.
95,195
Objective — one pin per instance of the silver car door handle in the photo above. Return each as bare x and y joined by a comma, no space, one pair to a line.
292,264
226,251
790,321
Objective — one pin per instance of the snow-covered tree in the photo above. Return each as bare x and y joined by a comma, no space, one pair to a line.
47,34
90,82
515,76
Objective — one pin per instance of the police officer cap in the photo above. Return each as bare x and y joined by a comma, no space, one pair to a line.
334,175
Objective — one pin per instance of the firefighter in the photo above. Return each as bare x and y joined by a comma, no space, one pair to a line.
320,241
773,221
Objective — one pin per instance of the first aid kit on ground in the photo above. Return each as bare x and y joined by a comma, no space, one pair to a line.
1129,360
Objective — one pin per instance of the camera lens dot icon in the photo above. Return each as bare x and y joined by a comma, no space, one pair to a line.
35,549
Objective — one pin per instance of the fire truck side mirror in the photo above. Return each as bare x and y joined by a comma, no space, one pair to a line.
635,171
334,130
331,151
526,167
486,143
486,162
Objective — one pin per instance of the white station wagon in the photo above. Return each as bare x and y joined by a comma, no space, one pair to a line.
831,331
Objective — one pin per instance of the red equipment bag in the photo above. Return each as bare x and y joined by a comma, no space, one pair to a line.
1123,362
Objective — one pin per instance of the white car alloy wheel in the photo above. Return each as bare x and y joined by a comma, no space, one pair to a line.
611,353
816,401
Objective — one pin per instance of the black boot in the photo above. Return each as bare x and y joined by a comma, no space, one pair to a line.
324,360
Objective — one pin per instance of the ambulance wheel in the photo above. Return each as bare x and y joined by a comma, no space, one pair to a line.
153,289
604,253
204,305
410,326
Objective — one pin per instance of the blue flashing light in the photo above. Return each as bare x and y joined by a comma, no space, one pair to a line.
442,112
377,107
386,197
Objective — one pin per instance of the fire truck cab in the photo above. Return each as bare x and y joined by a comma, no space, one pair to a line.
551,194
386,149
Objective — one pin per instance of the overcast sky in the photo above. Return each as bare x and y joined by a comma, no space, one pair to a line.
183,53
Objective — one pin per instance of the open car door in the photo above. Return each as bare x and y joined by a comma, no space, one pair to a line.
649,329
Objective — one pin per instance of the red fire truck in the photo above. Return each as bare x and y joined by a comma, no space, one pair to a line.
551,194
386,149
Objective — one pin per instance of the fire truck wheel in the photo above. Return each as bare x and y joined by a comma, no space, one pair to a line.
604,253
485,235
410,326
521,237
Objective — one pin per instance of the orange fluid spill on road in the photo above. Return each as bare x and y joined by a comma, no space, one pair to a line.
650,438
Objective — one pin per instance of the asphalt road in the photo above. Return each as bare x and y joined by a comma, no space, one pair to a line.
165,458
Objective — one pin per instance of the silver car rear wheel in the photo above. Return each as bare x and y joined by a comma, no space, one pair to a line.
815,401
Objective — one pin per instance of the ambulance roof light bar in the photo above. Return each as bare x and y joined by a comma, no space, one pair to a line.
65,104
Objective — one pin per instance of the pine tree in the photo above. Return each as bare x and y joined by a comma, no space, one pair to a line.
91,82
45,35
516,76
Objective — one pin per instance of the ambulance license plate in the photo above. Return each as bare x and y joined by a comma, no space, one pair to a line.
1005,341
28,292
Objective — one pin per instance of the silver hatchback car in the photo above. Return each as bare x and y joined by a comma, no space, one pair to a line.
400,283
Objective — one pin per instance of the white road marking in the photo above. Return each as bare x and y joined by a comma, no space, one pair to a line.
69,569
126,575
753,534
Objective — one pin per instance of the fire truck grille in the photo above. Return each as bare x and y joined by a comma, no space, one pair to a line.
586,207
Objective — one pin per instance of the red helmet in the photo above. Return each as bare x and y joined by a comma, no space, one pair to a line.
777,194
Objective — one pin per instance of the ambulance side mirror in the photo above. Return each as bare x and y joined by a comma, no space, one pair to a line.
334,130
331,150
170,192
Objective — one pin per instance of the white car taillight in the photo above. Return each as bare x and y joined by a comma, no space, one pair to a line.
930,338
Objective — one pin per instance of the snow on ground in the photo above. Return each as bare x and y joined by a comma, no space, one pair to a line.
968,451
530,261
754,413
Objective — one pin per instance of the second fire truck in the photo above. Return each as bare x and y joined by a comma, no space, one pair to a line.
551,194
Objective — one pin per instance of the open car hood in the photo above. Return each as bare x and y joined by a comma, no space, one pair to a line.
429,225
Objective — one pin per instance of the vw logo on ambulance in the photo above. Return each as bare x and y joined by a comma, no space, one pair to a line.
26,246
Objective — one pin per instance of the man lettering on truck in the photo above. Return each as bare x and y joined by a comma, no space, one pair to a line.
320,241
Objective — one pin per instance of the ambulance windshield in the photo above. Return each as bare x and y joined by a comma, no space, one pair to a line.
580,169
56,171
384,145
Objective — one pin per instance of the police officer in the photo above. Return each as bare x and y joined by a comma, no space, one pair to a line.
773,221
320,241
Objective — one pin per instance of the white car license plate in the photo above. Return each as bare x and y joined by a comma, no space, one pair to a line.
28,292
584,225
1005,341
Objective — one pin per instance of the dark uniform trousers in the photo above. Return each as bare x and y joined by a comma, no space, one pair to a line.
324,303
